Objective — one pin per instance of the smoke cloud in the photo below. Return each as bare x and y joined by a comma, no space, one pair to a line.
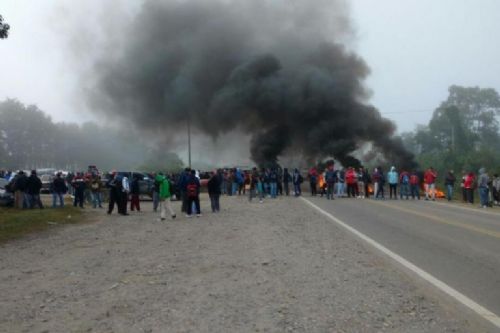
278,71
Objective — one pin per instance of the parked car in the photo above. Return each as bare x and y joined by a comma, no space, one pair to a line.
46,181
6,197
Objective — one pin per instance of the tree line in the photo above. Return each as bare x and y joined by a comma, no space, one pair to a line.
30,139
463,133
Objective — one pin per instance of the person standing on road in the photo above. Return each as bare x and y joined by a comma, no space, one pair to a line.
273,183
96,188
462,186
340,182
214,192
135,203
449,182
79,190
430,177
330,179
122,206
361,183
313,181
59,188
193,195
114,187
393,179
297,181
279,180
164,195
286,181
483,183
404,187
33,187
156,192
351,179
185,175
415,185
254,179
469,185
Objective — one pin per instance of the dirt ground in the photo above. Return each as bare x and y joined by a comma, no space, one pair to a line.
272,267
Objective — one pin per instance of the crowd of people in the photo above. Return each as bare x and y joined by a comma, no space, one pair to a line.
360,183
90,187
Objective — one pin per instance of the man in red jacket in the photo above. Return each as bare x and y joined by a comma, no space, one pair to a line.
351,178
430,177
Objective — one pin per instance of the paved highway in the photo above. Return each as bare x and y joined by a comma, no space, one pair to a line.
459,245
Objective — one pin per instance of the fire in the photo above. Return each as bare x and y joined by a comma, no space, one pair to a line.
370,189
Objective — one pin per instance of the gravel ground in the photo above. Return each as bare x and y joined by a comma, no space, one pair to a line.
272,267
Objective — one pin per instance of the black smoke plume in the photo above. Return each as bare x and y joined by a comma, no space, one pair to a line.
277,70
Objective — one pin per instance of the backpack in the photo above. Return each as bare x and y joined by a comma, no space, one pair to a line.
405,180
192,190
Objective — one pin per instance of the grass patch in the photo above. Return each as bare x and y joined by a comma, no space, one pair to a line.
15,223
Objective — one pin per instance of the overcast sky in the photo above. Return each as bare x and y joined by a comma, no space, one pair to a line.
415,48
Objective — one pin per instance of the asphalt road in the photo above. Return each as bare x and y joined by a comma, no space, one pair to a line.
457,244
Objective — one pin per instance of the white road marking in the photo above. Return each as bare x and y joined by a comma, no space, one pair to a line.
479,309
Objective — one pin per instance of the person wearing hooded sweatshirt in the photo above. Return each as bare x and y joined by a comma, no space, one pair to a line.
164,196
483,183
393,179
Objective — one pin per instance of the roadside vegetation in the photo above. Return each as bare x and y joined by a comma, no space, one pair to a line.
15,223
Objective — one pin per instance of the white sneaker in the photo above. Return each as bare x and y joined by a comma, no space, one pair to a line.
198,215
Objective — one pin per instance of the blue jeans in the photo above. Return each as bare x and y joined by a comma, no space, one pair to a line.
340,189
483,196
234,188
404,190
274,190
96,199
297,189
449,192
55,197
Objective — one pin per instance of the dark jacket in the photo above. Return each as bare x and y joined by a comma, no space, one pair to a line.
450,179
19,183
134,187
33,185
214,185
59,186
